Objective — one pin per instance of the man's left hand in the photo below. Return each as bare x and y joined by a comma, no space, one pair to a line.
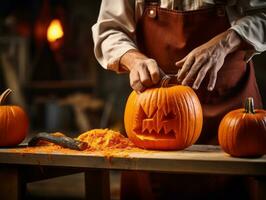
207,58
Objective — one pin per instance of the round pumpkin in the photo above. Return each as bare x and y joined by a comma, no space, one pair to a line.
164,118
242,132
13,123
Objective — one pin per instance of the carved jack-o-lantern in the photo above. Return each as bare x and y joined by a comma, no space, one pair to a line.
163,118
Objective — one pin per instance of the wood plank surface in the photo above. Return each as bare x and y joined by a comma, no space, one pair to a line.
196,159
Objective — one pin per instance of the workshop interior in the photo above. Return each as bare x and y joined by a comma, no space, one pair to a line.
47,60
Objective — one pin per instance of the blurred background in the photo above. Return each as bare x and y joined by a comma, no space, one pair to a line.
47,59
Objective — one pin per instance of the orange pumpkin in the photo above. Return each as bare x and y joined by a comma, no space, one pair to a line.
242,132
14,123
166,118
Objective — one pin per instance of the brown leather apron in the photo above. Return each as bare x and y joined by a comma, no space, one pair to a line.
167,36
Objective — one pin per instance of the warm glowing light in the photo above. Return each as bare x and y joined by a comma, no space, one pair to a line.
55,31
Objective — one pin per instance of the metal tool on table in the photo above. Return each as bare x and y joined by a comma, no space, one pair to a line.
63,141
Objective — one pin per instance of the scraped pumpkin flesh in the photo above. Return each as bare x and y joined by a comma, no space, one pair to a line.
100,141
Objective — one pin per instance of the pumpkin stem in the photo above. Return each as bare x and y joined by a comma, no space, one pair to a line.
166,80
249,105
4,96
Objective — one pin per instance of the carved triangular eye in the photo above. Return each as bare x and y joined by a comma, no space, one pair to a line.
142,114
169,116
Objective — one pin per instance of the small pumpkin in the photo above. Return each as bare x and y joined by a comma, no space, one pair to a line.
165,118
13,123
242,132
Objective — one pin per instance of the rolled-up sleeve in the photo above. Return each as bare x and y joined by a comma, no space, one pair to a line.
114,32
251,25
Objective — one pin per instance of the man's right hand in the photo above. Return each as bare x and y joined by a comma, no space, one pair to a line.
144,71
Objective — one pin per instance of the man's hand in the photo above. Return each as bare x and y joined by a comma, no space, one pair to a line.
144,72
207,58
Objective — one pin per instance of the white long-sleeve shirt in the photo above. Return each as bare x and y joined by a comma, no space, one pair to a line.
114,32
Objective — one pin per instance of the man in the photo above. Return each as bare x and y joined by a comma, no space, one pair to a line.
207,44
197,41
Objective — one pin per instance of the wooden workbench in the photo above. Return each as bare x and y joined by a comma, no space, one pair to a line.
18,168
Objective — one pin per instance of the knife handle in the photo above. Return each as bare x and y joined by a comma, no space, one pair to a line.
63,141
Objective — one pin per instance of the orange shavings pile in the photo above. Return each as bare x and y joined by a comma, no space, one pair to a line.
103,139
100,141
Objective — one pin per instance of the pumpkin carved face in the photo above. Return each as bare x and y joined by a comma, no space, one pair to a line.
163,118
158,121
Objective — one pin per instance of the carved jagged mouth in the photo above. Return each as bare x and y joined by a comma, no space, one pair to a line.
155,134
159,125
